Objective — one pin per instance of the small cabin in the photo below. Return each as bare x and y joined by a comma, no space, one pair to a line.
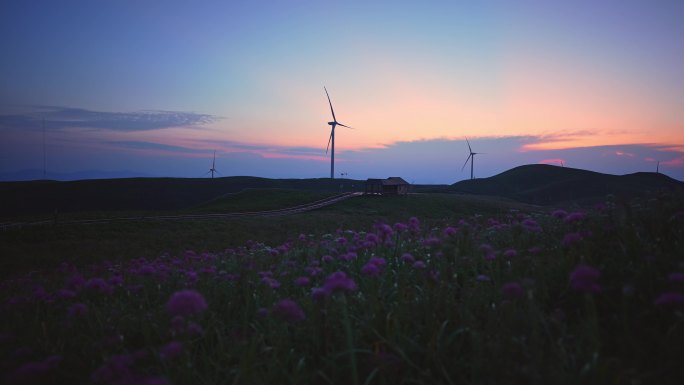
391,185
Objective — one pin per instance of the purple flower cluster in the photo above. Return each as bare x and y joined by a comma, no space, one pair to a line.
585,279
186,303
288,310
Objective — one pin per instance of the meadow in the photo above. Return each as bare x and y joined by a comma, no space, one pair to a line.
409,290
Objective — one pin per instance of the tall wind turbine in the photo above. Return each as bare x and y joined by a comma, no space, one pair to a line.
470,157
658,168
332,136
213,169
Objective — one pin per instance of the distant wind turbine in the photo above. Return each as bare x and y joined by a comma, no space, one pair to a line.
44,157
213,169
470,157
332,136
658,168
562,165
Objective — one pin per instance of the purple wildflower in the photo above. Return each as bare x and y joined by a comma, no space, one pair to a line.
483,278
171,350
560,214
408,258
414,224
35,372
400,227
271,282
585,279
676,277
186,302
670,299
371,270
319,293
510,253
531,225
65,294
75,282
574,217
512,291
262,312
350,256
194,329
327,258
338,281
570,239
377,261
99,285
116,368
302,281
288,310
450,231
77,310
419,264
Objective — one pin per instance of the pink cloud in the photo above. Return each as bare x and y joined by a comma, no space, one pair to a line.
278,155
676,162
553,161
620,153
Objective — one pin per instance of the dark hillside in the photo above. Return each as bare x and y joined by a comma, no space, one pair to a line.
46,197
547,185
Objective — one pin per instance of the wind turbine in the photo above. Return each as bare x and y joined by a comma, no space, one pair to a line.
44,157
658,168
332,136
213,169
470,157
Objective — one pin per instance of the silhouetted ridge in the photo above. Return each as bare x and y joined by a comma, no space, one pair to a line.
46,197
545,184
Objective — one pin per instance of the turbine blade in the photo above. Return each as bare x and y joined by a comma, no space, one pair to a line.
340,124
471,150
466,162
329,140
331,109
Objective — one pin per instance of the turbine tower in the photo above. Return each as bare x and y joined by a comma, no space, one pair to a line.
470,157
213,169
332,136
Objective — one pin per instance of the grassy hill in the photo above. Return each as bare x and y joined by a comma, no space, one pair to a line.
148,194
552,185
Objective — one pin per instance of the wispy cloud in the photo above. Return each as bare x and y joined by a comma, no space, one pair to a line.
67,117
139,145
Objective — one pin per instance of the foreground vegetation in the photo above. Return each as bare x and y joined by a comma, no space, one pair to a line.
45,247
590,296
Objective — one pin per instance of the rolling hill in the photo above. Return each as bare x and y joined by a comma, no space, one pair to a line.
543,184
131,194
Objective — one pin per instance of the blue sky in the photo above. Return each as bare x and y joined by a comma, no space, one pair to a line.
155,87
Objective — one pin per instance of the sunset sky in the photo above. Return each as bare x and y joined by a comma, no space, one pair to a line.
154,87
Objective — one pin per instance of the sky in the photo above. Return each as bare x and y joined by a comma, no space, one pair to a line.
153,88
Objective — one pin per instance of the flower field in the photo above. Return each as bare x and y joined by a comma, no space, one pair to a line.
569,297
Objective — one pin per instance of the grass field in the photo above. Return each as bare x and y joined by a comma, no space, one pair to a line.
47,246
418,289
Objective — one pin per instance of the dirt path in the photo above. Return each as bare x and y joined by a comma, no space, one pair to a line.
266,213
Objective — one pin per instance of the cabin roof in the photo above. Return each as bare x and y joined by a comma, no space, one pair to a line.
391,181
